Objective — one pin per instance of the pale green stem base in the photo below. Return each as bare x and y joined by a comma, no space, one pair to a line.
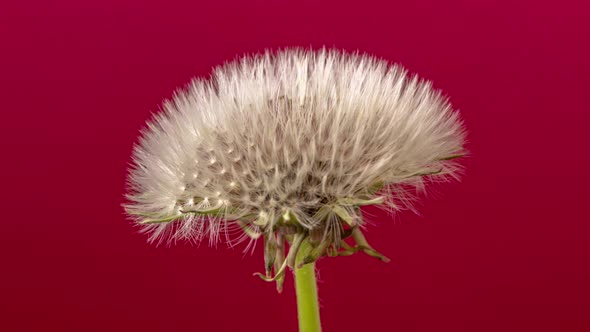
307,295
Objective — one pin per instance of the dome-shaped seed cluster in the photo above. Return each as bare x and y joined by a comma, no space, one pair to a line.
288,146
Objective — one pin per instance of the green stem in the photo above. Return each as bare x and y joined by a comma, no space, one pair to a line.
307,293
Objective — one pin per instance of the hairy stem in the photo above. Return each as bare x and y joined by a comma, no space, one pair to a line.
307,293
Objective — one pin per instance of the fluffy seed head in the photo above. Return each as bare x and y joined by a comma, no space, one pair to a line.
288,143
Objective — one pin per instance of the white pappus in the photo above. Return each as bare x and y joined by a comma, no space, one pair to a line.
291,142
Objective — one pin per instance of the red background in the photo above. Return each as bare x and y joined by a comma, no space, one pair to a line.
506,250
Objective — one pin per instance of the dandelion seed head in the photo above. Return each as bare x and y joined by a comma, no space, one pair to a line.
275,138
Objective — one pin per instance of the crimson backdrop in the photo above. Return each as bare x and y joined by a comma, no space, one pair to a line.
506,250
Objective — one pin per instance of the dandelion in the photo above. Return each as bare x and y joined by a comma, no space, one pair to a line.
287,147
